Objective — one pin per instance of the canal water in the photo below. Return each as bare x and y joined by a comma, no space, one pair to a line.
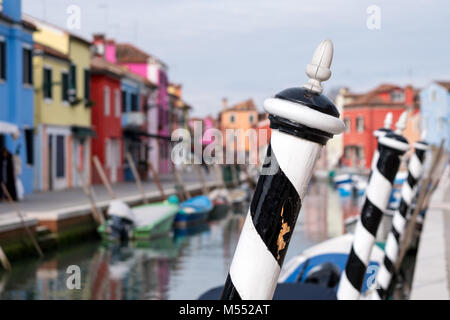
179,266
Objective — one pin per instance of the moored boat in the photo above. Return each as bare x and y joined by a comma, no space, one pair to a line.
193,211
140,222
324,263
220,197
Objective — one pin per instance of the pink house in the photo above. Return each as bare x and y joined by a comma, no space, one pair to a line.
208,124
151,68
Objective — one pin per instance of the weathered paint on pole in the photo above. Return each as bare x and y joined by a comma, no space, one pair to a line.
157,181
392,146
391,251
302,121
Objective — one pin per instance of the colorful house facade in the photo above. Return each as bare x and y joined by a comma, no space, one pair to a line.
435,112
155,71
16,89
365,113
138,101
107,118
62,108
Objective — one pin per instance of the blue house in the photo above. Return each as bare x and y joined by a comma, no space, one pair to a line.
435,112
133,120
16,87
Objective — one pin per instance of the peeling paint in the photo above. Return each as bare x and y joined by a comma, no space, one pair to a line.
285,228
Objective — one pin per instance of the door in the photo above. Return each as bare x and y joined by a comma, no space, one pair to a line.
50,162
79,160
59,161
113,158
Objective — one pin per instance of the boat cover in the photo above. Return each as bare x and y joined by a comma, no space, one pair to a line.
151,213
286,291
199,204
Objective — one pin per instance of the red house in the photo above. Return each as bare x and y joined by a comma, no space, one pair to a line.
106,118
365,113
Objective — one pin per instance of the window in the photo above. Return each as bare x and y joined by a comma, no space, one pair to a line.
134,102
124,101
87,85
397,96
106,101
232,119
360,124
29,144
73,83
60,157
65,86
347,125
359,153
27,66
251,118
2,60
347,152
47,87
441,121
433,95
117,102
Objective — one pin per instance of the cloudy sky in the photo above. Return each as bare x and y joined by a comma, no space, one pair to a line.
243,49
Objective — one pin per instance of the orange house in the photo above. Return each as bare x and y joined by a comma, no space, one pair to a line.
241,117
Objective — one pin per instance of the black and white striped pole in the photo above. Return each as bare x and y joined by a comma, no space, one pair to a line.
401,216
391,147
378,134
302,121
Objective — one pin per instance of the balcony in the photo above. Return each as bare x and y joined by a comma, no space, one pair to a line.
133,119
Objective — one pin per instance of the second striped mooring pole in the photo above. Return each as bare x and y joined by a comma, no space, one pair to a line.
391,147
379,134
401,215
302,121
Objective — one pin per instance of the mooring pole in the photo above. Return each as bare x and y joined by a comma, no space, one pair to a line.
22,221
136,176
97,215
157,181
427,186
392,146
391,251
104,178
302,121
379,134
4,260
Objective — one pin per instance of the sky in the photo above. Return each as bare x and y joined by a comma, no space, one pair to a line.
241,49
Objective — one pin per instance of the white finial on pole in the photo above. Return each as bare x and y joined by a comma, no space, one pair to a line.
319,68
388,120
401,123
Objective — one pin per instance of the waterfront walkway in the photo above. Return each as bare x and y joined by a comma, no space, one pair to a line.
432,272
70,202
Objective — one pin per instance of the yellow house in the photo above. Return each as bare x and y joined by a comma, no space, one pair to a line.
61,67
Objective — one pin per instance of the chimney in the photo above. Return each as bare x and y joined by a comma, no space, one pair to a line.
110,51
99,44
224,103
12,9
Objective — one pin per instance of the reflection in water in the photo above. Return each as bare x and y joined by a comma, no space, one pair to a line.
180,266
